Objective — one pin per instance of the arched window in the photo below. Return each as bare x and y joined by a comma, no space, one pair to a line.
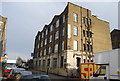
75,17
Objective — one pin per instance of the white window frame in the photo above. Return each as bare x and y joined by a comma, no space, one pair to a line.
63,18
41,43
45,41
63,45
41,53
75,30
75,45
49,50
51,27
56,35
63,31
44,51
46,31
75,17
69,31
42,34
39,37
56,48
38,45
57,23
50,39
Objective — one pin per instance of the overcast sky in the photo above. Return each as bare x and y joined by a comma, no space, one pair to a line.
25,19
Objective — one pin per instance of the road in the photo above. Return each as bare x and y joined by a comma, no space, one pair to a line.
55,77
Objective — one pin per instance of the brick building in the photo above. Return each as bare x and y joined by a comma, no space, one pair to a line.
70,39
115,37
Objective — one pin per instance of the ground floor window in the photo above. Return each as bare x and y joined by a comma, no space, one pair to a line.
43,63
62,61
48,62
54,62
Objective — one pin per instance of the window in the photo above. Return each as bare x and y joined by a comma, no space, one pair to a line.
83,20
54,62
86,21
88,47
84,33
75,17
37,54
44,51
57,23
63,31
101,70
89,21
46,31
56,48
75,31
88,61
63,46
39,37
39,62
42,34
41,43
91,48
91,60
84,47
84,60
62,61
41,53
75,45
63,18
87,33
56,35
36,63
48,62
69,31
51,27
50,38
43,63
38,45
90,34
49,50
45,41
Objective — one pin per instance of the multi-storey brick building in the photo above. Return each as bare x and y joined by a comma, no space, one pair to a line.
115,37
70,39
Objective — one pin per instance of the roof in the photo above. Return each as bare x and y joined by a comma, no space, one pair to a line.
115,30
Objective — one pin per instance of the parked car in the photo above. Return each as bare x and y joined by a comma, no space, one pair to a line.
6,72
35,78
17,73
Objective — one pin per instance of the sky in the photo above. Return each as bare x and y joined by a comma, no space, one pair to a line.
25,19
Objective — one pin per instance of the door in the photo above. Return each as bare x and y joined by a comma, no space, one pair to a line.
78,61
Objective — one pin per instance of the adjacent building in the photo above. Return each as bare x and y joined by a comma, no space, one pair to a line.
115,37
3,21
2,40
70,39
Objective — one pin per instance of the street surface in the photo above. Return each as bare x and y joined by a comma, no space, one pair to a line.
55,77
